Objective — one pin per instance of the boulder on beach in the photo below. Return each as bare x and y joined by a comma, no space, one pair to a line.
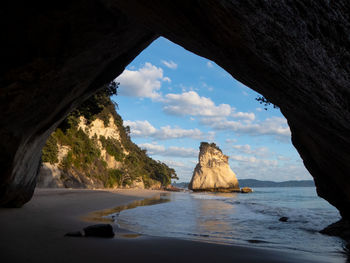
340,228
283,219
99,230
213,173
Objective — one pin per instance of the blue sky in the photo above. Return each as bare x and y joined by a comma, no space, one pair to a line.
173,99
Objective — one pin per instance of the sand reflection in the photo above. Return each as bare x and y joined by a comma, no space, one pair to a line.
107,215
213,215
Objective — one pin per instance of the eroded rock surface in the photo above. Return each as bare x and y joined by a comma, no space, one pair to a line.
213,172
54,56
296,53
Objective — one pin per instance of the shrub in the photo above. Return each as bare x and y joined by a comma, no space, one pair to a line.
115,178
67,161
112,147
50,150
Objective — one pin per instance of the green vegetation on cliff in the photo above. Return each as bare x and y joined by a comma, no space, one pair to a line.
84,158
205,145
50,150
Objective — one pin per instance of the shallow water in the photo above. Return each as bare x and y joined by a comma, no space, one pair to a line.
243,219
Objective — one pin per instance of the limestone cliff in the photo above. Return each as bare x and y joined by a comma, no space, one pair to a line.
92,149
213,172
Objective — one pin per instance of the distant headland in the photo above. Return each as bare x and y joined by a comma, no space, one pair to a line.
258,183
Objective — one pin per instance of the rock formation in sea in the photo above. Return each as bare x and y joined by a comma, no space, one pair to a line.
295,53
213,172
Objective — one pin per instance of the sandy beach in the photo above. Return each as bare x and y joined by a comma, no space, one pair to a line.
35,233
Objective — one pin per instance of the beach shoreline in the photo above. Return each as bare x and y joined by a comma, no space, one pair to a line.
35,233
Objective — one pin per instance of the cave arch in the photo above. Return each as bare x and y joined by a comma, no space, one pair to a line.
295,53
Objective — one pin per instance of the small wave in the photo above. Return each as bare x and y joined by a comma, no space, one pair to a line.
237,219
198,235
309,230
256,241
210,196
296,215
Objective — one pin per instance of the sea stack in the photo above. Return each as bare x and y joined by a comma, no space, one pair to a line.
213,173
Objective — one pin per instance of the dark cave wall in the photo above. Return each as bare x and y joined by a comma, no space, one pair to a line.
56,55
295,53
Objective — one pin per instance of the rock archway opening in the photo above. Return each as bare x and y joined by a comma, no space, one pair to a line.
172,99
295,55
170,103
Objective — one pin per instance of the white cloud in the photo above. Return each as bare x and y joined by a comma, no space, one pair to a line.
167,132
254,160
170,64
274,126
206,86
261,164
244,115
231,140
167,79
209,64
262,169
144,82
190,103
140,128
283,158
155,149
172,163
210,136
183,168
247,149
259,109
145,129
181,152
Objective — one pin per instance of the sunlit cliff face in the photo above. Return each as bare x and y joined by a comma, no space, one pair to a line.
213,171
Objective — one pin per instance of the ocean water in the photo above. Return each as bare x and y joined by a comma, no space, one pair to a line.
243,219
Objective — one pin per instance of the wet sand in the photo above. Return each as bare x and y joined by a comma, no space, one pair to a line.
35,233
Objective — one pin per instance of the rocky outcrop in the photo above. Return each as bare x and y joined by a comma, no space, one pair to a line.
246,190
54,175
340,228
50,176
295,53
213,172
98,153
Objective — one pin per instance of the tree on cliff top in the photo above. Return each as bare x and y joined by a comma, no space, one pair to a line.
262,100
205,145
98,102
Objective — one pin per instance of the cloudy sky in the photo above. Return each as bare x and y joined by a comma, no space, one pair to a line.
173,99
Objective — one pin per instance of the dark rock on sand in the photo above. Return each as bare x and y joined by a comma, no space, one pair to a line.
340,228
99,230
283,219
246,190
